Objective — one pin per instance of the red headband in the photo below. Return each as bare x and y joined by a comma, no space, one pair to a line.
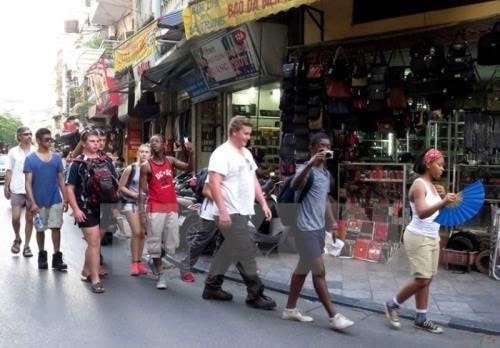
432,155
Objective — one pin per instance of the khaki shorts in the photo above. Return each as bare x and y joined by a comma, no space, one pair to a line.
423,254
52,216
163,229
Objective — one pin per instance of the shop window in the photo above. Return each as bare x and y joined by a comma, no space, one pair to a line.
261,105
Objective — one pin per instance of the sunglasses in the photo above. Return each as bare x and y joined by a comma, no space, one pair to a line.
47,140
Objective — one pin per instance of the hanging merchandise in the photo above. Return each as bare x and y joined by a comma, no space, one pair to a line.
315,71
427,57
459,71
396,73
337,76
493,96
377,78
359,72
488,49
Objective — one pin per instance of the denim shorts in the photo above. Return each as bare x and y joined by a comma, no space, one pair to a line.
310,244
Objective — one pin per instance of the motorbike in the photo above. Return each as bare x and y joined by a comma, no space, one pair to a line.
268,235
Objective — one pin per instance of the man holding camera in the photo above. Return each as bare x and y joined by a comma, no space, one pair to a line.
313,212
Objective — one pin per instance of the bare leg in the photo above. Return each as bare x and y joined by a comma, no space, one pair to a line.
412,288
296,284
92,253
16,220
40,240
319,282
28,228
56,239
137,240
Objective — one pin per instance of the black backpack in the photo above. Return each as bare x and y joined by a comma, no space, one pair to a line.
201,177
288,207
99,181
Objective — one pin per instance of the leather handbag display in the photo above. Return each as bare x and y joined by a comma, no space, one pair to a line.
488,48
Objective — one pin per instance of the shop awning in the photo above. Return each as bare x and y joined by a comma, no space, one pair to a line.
109,12
209,15
172,20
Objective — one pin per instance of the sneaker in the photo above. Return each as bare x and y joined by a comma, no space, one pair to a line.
57,262
340,322
142,268
261,302
134,269
188,277
152,267
219,294
429,326
42,260
161,284
392,314
294,314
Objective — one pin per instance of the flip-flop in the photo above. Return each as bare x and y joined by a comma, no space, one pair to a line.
27,252
16,246
97,288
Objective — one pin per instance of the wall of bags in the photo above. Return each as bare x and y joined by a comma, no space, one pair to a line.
384,90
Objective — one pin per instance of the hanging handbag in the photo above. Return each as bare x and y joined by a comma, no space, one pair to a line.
377,91
288,71
359,72
459,71
493,97
337,88
314,112
426,57
340,69
488,48
315,71
396,73
397,98
338,107
378,69
316,123
422,86
287,101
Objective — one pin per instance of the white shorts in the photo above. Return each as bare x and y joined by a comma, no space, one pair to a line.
163,229
126,207
52,216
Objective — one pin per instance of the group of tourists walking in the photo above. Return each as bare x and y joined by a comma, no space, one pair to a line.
145,194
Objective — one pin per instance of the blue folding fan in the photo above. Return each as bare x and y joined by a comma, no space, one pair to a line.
468,203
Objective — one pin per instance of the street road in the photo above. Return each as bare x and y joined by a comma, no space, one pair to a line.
46,308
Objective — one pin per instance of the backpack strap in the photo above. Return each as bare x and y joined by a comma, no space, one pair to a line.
133,168
307,187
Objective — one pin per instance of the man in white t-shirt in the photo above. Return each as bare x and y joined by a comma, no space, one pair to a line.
14,189
234,188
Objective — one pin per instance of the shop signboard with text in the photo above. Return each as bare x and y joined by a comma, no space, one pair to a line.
138,47
193,83
228,58
212,15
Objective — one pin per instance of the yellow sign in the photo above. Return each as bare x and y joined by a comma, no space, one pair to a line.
138,47
212,15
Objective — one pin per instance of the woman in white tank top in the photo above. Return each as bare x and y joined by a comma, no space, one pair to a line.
421,239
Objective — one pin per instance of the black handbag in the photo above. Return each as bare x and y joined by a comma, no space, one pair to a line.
422,86
459,71
288,71
340,68
488,48
287,101
396,73
426,57
338,107
377,91
378,69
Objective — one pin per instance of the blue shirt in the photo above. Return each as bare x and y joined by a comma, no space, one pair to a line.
45,179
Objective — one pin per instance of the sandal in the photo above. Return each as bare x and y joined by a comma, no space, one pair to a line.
16,246
97,288
27,252
85,278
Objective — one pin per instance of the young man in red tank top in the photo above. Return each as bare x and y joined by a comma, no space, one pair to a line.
159,216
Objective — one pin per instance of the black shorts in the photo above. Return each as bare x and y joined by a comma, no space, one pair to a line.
93,219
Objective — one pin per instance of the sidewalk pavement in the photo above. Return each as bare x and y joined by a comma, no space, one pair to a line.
468,301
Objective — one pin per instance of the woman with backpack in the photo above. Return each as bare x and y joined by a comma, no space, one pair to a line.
90,183
129,188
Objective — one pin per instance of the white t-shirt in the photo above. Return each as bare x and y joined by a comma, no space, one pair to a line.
238,185
15,163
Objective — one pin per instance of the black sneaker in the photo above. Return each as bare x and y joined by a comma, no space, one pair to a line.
219,294
429,326
261,302
58,263
42,260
